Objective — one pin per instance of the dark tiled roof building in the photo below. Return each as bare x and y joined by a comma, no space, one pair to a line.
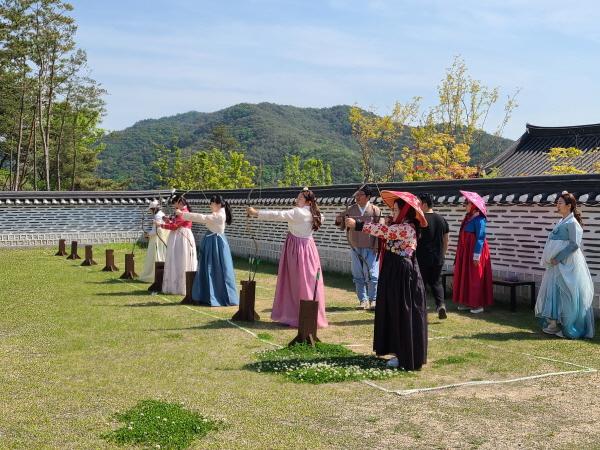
529,154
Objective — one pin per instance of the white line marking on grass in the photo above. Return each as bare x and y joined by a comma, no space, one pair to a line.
250,332
404,392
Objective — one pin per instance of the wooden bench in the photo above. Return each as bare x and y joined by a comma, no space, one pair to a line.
507,283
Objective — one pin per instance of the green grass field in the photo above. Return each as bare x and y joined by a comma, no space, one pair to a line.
78,346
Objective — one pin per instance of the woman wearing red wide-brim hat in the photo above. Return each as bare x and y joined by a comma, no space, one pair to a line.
400,311
472,288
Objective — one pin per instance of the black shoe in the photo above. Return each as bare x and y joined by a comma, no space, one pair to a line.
442,313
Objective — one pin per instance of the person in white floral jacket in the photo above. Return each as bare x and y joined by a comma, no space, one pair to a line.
401,311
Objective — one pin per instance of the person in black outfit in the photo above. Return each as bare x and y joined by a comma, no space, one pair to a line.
431,250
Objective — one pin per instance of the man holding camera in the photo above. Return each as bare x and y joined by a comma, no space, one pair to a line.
363,247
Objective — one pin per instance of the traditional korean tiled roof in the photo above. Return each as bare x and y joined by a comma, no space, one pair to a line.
81,197
518,190
529,155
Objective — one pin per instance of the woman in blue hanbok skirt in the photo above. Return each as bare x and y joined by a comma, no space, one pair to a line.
214,284
565,298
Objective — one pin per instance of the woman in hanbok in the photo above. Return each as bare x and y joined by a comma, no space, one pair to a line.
564,301
181,250
157,242
401,309
299,263
214,284
472,282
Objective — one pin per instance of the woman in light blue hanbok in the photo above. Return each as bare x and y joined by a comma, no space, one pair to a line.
214,284
564,301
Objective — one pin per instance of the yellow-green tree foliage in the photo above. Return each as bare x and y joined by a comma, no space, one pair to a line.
308,172
380,136
440,139
204,170
563,160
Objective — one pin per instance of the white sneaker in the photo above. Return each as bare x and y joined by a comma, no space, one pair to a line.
365,305
393,363
462,308
560,334
372,305
477,310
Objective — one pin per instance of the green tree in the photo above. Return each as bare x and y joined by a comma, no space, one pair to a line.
308,172
203,170
49,107
221,139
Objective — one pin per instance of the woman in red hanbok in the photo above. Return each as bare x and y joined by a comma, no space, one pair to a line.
472,288
181,250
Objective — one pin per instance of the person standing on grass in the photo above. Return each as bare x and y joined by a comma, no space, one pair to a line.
472,283
181,250
401,311
564,301
157,239
214,284
363,247
431,251
299,262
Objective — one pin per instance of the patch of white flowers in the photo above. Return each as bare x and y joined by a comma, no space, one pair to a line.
324,371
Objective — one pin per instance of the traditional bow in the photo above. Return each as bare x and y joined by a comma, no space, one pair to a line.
253,260
143,230
160,202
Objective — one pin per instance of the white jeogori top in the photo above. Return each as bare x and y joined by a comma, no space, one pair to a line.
158,217
215,222
299,220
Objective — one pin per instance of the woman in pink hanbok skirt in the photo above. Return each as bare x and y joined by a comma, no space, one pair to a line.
299,262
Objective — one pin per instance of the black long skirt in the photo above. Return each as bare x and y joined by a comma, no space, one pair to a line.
401,312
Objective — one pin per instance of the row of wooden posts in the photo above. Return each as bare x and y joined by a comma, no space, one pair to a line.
307,327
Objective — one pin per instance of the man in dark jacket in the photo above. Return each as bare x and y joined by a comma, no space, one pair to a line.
431,251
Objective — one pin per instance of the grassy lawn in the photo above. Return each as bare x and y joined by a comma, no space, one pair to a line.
78,346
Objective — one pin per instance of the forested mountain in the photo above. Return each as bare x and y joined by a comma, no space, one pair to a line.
266,133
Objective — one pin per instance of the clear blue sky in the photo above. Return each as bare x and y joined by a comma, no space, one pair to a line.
159,58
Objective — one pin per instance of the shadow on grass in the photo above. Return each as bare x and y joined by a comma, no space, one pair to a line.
253,326
223,324
500,315
117,281
343,308
138,292
148,304
509,336
368,321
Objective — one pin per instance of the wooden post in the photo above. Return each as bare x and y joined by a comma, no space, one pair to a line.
159,270
110,261
246,312
89,257
73,254
189,282
129,273
307,323
62,250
